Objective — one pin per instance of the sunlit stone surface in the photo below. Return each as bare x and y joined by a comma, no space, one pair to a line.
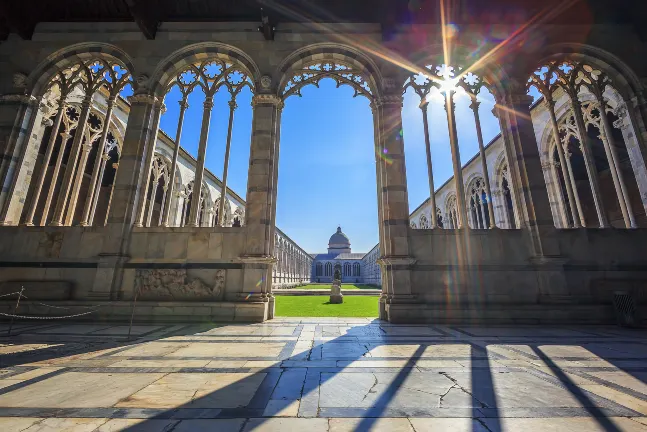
288,374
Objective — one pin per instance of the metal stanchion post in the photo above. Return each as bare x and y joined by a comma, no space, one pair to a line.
132,315
15,310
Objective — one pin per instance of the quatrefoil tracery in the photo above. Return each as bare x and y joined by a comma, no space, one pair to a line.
342,74
210,76
443,77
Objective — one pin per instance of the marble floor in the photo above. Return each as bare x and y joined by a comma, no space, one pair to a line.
318,374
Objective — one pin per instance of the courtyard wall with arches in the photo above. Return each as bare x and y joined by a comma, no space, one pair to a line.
152,226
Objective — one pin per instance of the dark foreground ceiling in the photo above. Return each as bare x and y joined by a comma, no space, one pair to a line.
22,16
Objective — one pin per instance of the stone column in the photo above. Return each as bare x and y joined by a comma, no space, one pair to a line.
461,208
260,209
591,170
67,182
127,195
78,180
396,260
65,137
18,114
550,106
578,204
486,176
97,188
99,165
171,183
225,170
606,134
164,196
194,212
29,220
526,178
432,190
149,213
158,110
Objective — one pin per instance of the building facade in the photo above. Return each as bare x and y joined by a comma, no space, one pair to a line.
353,267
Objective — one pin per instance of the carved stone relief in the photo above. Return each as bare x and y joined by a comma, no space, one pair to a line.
172,284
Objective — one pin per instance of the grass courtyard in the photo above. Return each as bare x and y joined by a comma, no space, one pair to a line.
343,286
319,306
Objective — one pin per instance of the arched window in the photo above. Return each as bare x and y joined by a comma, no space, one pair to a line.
599,182
423,223
157,193
356,270
73,128
439,218
452,214
328,269
347,269
477,204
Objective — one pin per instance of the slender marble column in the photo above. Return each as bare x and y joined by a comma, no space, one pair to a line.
97,188
432,191
456,160
225,170
78,180
66,185
151,204
52,184
98,164
589,161
479,135
194,212
550,105
164,195
29,221
171,183
578,204
616,173
158,110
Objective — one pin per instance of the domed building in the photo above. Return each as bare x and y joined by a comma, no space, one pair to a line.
353,267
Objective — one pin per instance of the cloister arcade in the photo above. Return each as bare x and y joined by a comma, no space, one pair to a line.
100,205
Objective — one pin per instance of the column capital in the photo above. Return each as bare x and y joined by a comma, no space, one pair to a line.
183,104
232,104
424,104
390,99
208,102
267,99
21,98
105,157
142,98
475,104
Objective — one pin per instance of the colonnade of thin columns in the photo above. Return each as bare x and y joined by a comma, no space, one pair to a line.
461,213
71,183
293,265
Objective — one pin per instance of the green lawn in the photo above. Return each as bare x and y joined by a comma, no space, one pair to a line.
318,306
343,286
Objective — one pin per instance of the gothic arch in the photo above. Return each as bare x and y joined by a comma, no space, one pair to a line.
39,79
180,60
491,72
307,66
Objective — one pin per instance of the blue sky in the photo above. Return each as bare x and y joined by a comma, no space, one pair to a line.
327,160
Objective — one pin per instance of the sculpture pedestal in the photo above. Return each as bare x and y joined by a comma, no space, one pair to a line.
336,297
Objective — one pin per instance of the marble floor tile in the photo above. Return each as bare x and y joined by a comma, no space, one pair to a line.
196,390
78,390
224,349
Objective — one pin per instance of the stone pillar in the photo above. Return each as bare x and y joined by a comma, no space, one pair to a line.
550,106
260,211
97,186
486,176
461,208
569,170
194,211
99,165
424,105
20,118
591,170
148,160
127,195
396,260
171,183
526,178
68,176
29,220
225,169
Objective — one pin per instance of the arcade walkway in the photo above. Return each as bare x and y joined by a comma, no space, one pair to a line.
321,375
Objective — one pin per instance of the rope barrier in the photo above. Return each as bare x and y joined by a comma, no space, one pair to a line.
46,318
5,295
